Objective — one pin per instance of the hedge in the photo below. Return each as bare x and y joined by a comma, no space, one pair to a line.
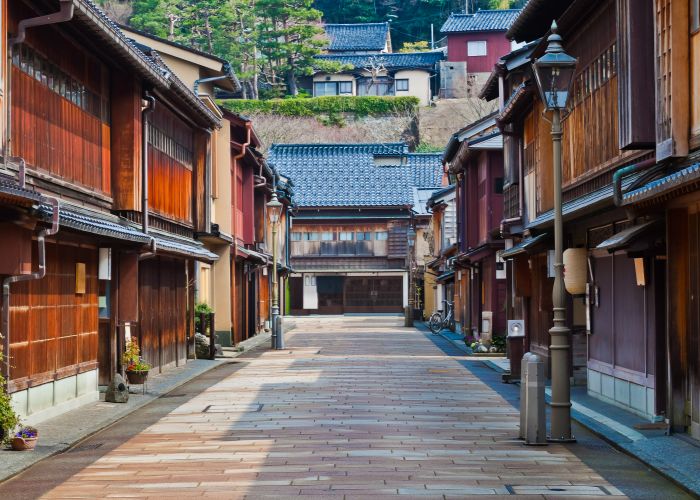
327,105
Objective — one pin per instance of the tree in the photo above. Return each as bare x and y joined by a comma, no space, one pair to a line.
289,37
420,46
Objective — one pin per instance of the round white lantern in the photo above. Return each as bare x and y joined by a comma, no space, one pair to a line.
575,270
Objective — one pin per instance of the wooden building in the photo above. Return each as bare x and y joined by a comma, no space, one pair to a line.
105,156
474,157
443,229
348,242
629,155
205,74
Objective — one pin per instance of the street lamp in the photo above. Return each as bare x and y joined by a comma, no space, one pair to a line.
554,72
411,240
274,211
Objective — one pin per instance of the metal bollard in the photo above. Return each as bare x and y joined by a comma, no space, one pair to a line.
523,393
535,426
279,327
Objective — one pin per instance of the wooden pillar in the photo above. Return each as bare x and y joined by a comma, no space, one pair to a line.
677,319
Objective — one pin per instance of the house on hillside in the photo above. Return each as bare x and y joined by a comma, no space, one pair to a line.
474,43
382,74
359,38
348,242
100,196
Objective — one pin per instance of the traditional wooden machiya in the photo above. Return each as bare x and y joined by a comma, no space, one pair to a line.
105,154
628,147
348,243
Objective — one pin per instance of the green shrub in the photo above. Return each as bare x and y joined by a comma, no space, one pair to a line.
327,106
202,307
8,418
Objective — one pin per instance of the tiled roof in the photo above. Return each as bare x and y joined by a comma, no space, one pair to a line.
482,20
345,175
426,60
421,195
664,185
348,37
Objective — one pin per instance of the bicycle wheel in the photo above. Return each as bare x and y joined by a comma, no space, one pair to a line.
435,323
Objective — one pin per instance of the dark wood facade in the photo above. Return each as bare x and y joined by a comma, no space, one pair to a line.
633,337
77,126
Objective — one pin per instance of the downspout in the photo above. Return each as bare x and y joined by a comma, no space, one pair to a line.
38,274
625,171
145,113
65,13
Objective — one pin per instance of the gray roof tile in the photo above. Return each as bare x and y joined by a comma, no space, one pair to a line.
364,36
426,60
345,175
482,20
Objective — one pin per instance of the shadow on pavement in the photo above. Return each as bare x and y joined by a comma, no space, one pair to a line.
627,473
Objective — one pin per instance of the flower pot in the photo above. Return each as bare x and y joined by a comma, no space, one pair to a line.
137,377
22,444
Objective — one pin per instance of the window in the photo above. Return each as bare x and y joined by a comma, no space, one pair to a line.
381,235
379,87
346,236
312,236
296,236
498,185
364,236
345,87
310,280
325,88
328,236
476,48
402,85
332,88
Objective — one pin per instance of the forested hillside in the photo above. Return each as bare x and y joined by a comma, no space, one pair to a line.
270,43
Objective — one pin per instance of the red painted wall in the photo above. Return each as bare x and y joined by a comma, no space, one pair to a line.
497,45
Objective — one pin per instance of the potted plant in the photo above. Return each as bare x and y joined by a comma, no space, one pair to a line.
25,438
136,368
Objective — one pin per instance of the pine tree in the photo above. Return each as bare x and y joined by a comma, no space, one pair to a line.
289,36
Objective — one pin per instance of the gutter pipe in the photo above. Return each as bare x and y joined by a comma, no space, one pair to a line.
625,171
38,274
146,110
206,80
65,13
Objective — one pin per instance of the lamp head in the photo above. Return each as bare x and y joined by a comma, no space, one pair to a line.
274,209
554,72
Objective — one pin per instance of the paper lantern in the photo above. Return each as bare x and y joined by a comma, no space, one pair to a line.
575,270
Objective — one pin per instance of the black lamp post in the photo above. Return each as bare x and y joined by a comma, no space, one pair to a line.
554,72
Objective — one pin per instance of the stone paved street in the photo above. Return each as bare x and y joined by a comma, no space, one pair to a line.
356,407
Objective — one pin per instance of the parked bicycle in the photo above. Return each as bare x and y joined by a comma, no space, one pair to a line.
439,319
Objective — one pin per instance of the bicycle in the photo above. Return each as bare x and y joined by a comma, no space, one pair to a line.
437,321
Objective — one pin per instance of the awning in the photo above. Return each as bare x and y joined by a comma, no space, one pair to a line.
184,247
247,253
100,224
525,246
628,236
585,204
665,185
445,277
12,193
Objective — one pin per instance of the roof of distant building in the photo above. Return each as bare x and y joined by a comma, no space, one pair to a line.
421,195
481,20
361,36
355,175
424,60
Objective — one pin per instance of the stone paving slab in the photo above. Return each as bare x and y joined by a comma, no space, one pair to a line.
60,433
353,408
